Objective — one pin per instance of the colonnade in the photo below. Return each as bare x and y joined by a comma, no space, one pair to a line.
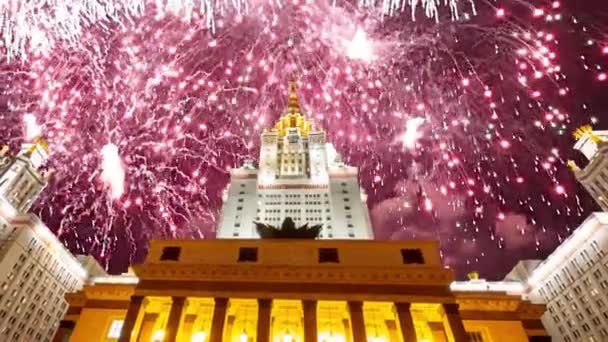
452,322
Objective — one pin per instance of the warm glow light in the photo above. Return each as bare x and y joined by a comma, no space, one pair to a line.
287,338
377,339
243,337
199,337
158,335
331,337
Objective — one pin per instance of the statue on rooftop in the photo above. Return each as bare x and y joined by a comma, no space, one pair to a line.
288,230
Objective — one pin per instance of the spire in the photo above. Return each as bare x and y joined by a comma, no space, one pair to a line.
294,103
580,132
293,118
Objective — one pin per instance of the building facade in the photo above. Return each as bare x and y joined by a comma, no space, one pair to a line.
300,176
36,271
299,290
573,280
594,177
573,283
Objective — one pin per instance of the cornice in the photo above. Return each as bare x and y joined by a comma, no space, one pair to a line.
109,291
291,274
490,303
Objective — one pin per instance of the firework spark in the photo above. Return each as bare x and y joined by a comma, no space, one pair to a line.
412,134
113,173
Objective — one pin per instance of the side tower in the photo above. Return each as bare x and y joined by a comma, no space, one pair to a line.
21,176
594,177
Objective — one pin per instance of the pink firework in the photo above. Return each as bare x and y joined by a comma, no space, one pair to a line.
146,114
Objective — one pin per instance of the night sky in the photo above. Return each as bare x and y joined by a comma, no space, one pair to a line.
461,129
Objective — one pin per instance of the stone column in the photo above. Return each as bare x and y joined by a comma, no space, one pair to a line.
229,326
455,322
219,317
358,323
146,328
175,316
347,333
310,320
130,318
391,326
406,322
186,328
264,314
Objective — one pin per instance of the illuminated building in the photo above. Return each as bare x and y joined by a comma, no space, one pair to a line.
594,177
300,176
299,290
36,271
573,282
339,287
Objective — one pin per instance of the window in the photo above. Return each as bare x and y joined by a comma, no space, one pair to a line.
475,336
328,255
115,328
237,224
239,208
346,199
171,253
412,256
248,254
346,207
240,200
351,235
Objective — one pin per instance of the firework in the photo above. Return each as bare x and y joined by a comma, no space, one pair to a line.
147,111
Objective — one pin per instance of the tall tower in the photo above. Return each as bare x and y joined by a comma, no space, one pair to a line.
594,177
300,176
21,177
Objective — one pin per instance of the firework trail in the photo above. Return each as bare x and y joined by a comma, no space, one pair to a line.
148,105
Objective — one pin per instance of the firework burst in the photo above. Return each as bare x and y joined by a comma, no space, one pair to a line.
148,109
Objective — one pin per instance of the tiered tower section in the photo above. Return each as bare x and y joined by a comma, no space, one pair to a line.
21,176
594,177
300,176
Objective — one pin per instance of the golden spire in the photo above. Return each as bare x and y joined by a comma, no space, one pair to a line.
294,104
586,129
294,117
42,143
39,142
572,165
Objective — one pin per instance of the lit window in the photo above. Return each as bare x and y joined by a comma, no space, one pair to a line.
115,328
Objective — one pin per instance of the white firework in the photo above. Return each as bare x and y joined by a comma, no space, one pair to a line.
34,26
